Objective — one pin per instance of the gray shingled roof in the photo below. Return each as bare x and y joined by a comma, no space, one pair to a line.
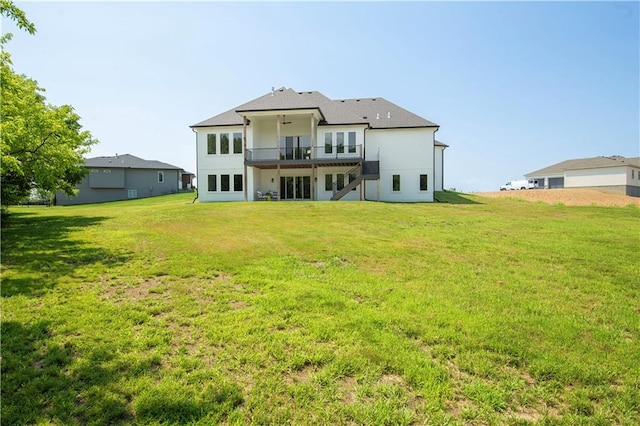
281,99
587,163
334,112
382,114
377,112
127,161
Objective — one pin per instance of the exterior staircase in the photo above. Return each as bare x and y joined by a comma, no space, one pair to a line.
366,170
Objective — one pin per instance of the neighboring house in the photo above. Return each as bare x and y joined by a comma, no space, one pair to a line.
186,179
305,146
122,177
615,173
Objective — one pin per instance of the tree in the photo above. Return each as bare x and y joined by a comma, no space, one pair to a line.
42,145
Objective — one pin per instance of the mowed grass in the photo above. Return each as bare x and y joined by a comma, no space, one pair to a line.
474,311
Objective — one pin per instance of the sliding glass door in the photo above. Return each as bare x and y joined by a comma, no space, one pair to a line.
295,147
295,187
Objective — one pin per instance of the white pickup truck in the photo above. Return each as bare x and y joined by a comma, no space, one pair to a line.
518,184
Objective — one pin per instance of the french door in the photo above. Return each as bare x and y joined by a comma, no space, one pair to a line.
295,147
295,187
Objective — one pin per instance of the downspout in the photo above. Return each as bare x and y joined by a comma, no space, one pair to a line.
433,159
364,158
197,170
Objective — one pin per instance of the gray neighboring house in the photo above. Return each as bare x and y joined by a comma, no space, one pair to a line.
614,174
124,177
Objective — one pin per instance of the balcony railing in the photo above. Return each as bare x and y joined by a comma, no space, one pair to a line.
327,152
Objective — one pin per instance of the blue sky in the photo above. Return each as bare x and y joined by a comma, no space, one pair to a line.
514,86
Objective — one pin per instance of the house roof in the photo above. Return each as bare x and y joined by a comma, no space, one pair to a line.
127,161
378,113
281,99
587,163
382,114
438,143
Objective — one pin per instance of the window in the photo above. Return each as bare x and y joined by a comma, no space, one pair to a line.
237,182
352,142
106,171
328,143
340,180
213,183
211,143
340,142
396,183
237,143
132,193
352,177
95,171
224,143
424,181
328,182
224,183
160,177
632,172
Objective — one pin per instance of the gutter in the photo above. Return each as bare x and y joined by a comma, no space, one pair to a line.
197,170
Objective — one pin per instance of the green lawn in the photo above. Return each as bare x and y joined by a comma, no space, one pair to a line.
473,311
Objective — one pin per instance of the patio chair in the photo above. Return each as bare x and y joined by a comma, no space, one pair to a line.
260,196
274,195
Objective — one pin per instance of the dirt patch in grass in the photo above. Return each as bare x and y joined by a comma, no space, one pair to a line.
568,197
151,287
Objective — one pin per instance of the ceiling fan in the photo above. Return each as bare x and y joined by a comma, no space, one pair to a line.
284,120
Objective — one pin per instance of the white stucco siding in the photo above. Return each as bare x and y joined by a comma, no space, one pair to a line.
439,168
407,153
219,160
220,165
233,194
610,176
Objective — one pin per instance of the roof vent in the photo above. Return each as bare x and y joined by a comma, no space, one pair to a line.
273,90
389,114
364,116
357,100
373,99
377,116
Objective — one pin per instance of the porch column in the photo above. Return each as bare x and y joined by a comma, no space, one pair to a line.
244,141
280,194
313,136
278,137
314,184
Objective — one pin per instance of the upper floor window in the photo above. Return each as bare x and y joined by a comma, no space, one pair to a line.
340,142
632,172
237,143
160,177
328,143
396,183
224,143
352,142
211,143
424,182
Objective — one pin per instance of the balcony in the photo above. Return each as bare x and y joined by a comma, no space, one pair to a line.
304,157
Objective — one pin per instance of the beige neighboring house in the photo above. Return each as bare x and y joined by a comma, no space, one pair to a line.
614,173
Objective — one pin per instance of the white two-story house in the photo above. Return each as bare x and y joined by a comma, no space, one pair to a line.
289,145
